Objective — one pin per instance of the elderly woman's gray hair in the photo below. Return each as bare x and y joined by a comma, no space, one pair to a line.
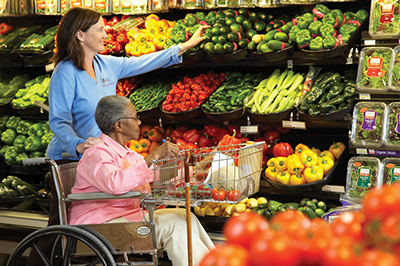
109,110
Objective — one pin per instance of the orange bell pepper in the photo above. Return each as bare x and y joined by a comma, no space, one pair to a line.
162,26
316,150
299,148
326,153
145,144
144,130
154,145
155,135
337,148
161,129
144,154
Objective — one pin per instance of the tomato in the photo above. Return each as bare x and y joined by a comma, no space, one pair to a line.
349,224
340,251
226,255
218,193
390,229
272,248
373,257
316,240
233,194
382,202
242,229
293,222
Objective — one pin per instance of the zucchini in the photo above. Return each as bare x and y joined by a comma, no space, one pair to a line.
291,205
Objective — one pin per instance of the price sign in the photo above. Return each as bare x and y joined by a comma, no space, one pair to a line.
249,130
362,151
294,124
369,42
333,188
365,96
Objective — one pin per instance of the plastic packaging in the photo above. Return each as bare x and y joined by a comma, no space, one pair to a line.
393,125
362,176
374,73
395,69
368,125
384,19
390,171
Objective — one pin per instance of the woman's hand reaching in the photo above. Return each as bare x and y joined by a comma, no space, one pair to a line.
196,38
166,150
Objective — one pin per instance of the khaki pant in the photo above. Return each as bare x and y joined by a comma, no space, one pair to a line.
171,235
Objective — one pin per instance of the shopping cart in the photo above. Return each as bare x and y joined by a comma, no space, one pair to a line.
194,173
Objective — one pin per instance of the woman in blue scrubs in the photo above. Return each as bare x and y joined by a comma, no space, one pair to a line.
82,77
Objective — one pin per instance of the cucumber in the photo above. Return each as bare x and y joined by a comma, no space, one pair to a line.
303,202
321,205
291,206
309,212
273,205
319,212
311,205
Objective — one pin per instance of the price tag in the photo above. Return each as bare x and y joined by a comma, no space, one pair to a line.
349,61
365,96
294,124
49,67
362,151
369,42
249,130
290,63
333,188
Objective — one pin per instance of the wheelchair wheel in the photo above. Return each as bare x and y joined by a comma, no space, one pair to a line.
64,248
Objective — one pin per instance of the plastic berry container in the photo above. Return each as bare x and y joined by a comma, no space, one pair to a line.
369,124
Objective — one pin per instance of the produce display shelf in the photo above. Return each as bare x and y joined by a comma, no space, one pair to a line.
381,151
378,96
367,40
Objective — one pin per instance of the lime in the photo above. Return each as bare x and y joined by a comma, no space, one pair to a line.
215,31
233,36
222,39
239,19
253,17
229,47
214,39
219,48
209,48
244,12
251,33
247,25
242,43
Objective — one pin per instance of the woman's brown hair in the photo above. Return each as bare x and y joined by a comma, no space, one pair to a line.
68,46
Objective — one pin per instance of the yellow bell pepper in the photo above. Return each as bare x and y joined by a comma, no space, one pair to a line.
337,148
159,41
299,148
327,153
293,162
297,179
271,173
272,162
308,158
162,26
140,38
316,150
326,164
132,33
282,163
283,177
149,48
314,173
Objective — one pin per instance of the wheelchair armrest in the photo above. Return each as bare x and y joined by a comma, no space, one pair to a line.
102,196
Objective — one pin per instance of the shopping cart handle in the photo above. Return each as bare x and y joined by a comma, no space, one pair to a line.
66,155
101,195
34,161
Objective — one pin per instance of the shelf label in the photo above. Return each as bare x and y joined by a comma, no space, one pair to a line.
384,153
365,96
49,67
333,188
349,61
290,63
249,130
294,124
361,151
370,42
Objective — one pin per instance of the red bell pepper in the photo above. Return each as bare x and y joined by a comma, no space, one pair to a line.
191,146
168,131
178,134
211,130
282,149
265,146
121,38
230,141
221,133
191,136
232,128
244,139
181,144
272,137
205,141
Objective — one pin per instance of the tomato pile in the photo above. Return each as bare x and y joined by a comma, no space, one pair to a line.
368,237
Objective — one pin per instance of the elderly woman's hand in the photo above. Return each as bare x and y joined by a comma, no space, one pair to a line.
166,150
197,38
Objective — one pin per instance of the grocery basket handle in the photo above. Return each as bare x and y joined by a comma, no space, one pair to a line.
34,161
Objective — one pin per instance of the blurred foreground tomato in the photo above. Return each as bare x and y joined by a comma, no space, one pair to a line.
226,255
242,229
381,203
372,257
349,224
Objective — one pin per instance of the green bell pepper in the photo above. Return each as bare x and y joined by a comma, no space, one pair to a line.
293,31
33,143
335,101
339,15
3,121
327,30
10,155
36,154
314,27
314,95
22,128
36,130
45,140
19,143
12,122
328,108
8,136
303,38
330,42
4,149
321,10
179,37
362,14
20,157
191,19
330,19
315,110
349,90
335,90
303,23
348,28
317,43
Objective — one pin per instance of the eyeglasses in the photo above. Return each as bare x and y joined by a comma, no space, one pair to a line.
136,118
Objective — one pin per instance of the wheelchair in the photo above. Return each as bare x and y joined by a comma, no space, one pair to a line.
96,244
